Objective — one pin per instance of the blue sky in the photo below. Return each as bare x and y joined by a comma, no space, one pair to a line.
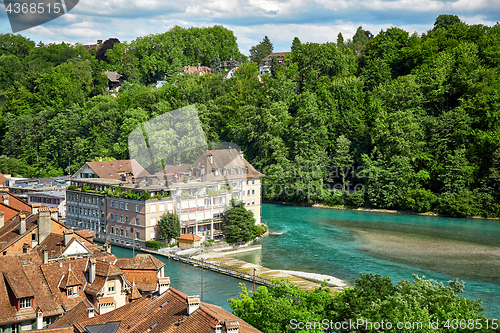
281,20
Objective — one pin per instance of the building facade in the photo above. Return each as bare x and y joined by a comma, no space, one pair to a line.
128,211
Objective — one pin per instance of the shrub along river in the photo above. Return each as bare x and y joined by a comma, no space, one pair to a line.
344,243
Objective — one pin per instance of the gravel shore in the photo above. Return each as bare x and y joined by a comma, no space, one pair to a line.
334,282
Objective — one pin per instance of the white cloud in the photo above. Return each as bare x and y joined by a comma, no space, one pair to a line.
281,20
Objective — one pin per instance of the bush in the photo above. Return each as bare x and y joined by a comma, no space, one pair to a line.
420,200
335,198
461,204
354,199
259,230
154,244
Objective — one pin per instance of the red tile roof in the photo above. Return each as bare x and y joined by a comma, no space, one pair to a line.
278,55
140,261
43,298
56,275
96,286
112,169
76,314
163,314
19,283
192,237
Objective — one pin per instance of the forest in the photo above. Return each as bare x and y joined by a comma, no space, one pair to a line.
397,120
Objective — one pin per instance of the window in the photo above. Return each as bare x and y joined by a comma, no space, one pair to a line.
137,220
112,206
126,206
116,205
161,207
126,233
153,221
137,234
248,192
111,287
170,207
25,303
117,220
126,218
112,230
253,181
121,231
121,218
153,208
137,208
153,235
253,202
121,205
253,191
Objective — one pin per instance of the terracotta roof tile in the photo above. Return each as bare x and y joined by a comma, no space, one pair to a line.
76,314
192,237
105,268
145,280
105,300
19,283
111,169
43,298
163,314
56,275
141,261
96,286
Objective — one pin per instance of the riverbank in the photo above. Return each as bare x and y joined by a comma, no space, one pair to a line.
375,210
395,211
303,281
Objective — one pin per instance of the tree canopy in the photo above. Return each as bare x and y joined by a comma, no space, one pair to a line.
418,115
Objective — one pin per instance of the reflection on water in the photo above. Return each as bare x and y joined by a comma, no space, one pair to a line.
345,243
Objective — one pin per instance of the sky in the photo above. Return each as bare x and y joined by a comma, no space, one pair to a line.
316,21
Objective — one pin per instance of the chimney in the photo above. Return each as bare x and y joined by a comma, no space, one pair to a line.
232,325
6,199
44,224
100,159
107,247
22,228
193,303
54,214
45,255
68,236
209,155
2,221
39,319
229,149
91,312
163,284
92,270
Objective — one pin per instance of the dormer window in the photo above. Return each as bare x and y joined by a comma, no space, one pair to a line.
25,303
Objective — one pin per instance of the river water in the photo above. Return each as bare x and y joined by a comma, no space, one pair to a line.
344,243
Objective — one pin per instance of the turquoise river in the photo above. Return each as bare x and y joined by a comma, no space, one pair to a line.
343,243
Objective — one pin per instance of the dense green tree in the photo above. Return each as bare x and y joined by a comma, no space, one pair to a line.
295,43
358,41
170,227
445,21
261,50
238,224
280,308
